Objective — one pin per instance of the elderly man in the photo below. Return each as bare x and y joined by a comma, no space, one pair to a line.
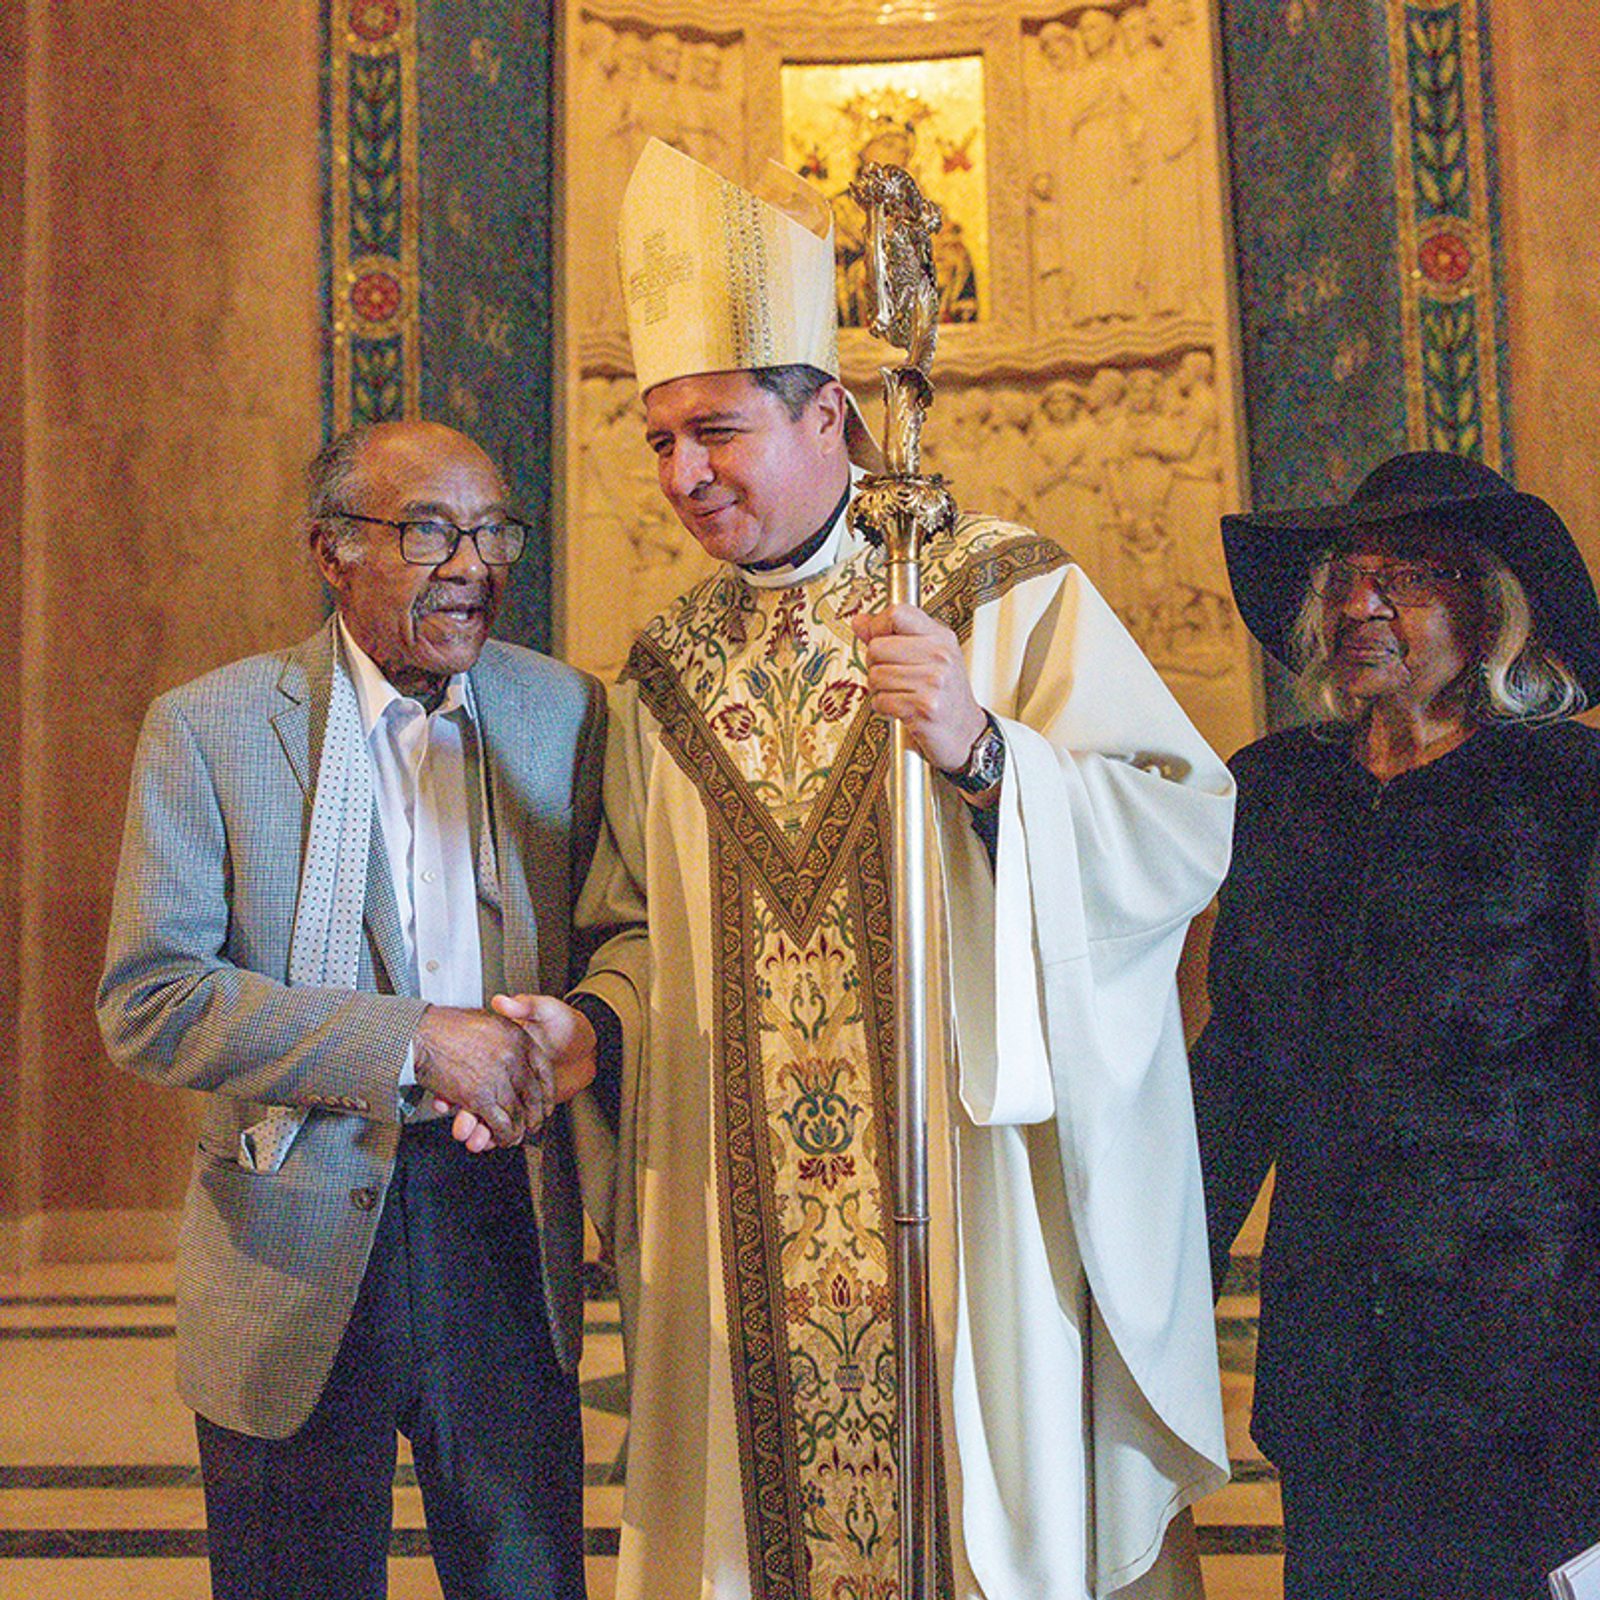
334,854
1077,823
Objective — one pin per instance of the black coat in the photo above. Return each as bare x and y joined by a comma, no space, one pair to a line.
1403,1020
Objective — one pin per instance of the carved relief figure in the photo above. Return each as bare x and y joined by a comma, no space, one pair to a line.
1124,470
1116,208
593,108
1147,577
1195,502
1162,471
1063,489
1049,240
712,109
660,105
627,132
1102,207
1011,453
631,86
1175,235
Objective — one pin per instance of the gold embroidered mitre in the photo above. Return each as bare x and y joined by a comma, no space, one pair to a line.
718,279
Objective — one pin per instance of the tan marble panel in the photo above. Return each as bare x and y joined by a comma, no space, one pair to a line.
172,398
13,85
94,1580
78,1402
1242,1577
1547,84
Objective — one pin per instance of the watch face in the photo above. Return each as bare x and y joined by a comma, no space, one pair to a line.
986,763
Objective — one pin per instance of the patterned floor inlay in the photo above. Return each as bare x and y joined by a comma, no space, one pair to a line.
100,1493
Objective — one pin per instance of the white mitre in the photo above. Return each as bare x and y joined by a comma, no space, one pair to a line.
718,279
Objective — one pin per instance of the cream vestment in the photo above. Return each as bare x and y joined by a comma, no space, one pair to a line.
745,863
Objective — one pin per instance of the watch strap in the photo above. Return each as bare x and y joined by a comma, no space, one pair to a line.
986,764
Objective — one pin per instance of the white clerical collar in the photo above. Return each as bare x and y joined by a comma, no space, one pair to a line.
375,694
823,557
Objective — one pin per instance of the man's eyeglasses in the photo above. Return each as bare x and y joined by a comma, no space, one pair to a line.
1402,583
431,541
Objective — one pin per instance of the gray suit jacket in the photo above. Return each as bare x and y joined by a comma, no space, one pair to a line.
195,995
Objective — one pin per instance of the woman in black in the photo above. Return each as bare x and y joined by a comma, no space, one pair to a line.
1404,1022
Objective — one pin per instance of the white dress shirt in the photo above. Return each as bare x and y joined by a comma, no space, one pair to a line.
428,785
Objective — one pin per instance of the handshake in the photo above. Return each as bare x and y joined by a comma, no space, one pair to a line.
501,1072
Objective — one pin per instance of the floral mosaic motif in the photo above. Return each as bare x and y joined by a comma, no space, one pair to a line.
375,380
373,21
375,154
375,296
1438,118
372,241
1445,259
1453,401
1450,368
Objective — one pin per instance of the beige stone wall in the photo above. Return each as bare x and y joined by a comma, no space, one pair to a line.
1547,81
165,396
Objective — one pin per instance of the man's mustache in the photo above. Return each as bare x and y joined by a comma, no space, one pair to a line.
450,597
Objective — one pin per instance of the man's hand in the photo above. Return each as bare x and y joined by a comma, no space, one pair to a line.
916,674
561,1044
483,1065
561,1037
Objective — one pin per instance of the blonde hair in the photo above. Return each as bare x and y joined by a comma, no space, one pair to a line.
1515,679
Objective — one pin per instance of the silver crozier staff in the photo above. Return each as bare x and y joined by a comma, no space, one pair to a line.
899,509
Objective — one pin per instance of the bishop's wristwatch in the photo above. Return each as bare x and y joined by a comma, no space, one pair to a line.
986,765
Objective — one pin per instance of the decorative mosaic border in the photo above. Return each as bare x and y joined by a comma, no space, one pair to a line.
1445,227
1367,241
373,287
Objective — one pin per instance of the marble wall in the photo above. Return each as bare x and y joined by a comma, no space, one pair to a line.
13,86
159,369
1546,57
164,399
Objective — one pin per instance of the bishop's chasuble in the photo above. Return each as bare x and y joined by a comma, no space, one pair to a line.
746,862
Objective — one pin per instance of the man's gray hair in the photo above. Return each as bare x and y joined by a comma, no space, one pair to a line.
1513,679
333,478
796,385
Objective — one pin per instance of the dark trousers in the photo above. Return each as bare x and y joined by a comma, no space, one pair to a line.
449,1344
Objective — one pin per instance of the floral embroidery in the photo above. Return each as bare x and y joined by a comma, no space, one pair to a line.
735,722
838,699
761,696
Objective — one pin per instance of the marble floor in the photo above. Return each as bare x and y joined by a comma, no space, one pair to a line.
100,1493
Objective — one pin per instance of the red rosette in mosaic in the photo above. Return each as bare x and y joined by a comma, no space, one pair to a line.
375,297
373,21
1445,258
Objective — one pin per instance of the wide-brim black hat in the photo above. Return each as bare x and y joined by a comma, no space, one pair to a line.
1271,553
